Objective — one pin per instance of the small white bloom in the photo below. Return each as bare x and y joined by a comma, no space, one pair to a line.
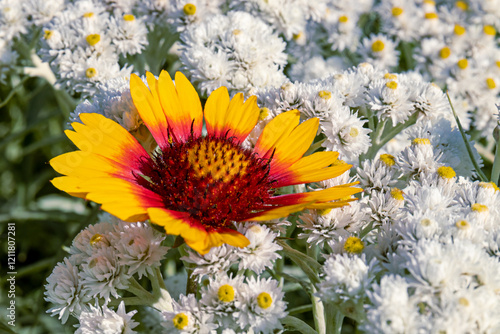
262,306
188,317
262,250
65,291
102,275
103,320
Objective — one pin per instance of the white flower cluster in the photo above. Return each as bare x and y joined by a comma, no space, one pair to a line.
230,303
343,102
84,43
16,18
236,50
257,256
455,46
104,257
433,242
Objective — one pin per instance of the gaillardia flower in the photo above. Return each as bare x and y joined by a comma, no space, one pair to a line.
197,186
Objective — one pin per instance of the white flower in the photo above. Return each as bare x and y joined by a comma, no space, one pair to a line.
138,246
220,296
103,320
333,226
379,174
287,16
262,306
262,250
237,51
102,275
419,157
345,279
217,260
188,317
64,289
393,309
380,51
42,11
390,98
185,13
346,134
91,239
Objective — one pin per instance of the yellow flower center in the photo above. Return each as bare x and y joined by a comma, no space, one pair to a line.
479,207
462,5
95,239
489,30
388,159
463,301
498,63
204,158
491,83
88,14
264,112
226,293
421,141
431,16
430,2
189,9
444,52
354,132
390,76
463,63
236,32
90,72
264,300
180,320
47,34
396,11
354,245
343,19
459,30
392,85
446,172
93,39
488,185
298,36
397,194
255,228
378,46
425,222
462,224
325,95
129,17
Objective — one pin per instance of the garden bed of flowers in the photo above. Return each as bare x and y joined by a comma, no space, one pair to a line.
281,166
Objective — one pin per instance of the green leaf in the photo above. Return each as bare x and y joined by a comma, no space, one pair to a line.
467,144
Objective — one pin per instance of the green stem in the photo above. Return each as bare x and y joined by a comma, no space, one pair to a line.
495,172
293,323
318,312
467,144
391,133
13,92
138,290
334,319
300,309
192,284
378,132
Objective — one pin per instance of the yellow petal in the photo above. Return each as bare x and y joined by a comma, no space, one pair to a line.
149,109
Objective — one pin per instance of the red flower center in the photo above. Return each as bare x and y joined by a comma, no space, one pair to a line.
215,180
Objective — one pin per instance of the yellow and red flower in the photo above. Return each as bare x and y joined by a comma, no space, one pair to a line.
197,186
